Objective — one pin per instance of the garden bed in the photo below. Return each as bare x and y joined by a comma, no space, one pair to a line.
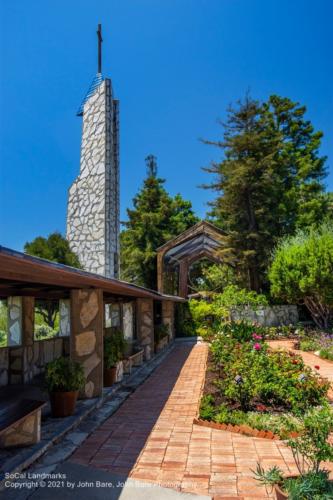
253,389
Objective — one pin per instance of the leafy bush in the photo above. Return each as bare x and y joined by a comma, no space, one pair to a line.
312,447
64,375
114,349
308,345
326,354
301,272
44,332
184,323
234,296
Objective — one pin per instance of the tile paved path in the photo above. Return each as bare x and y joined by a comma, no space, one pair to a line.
152,437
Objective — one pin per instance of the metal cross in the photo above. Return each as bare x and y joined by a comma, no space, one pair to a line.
100,40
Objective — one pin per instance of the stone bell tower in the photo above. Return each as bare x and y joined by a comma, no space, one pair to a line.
93,199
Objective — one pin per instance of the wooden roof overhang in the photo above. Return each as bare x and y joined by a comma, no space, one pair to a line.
22,274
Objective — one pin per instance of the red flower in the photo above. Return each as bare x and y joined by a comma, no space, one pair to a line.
317,367
294,362
261,407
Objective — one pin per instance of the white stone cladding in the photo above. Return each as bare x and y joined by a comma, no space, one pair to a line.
93,199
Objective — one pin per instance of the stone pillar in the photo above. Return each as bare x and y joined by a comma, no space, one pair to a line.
145,326
168,316
128,321
14,321
86,341
64,318
21,313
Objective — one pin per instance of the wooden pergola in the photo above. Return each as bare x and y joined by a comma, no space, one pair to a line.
203,240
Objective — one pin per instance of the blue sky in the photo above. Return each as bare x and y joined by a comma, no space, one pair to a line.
176,65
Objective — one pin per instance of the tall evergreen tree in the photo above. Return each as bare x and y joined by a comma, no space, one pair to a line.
155,218
269,181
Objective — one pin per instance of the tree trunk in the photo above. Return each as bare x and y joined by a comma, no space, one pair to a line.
253,227
320,313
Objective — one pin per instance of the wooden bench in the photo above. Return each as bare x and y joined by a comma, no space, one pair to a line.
20,422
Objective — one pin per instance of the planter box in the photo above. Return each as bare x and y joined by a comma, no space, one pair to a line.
135,359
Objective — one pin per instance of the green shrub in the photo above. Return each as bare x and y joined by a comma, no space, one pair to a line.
64,375
308,345
44,332
184,323
326,354
301,272
114,349
234,296
312,447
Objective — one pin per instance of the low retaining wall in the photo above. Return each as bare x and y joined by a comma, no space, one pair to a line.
267,315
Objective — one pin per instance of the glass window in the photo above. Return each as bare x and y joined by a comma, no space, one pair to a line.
46,319
112,315
3,323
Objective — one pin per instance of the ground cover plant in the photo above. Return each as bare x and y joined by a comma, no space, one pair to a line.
248,383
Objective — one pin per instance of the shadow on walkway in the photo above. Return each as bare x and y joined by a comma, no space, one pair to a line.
101,465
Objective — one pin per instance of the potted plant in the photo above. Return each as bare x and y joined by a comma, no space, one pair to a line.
114,348
64,378
309,448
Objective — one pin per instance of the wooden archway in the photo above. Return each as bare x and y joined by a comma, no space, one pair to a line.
201,240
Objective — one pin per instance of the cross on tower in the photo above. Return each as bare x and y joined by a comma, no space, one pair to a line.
100,40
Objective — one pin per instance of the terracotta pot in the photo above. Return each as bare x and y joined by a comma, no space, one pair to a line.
63,403
280,494
110,375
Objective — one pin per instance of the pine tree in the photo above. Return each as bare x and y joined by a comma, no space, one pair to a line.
155,218
269,181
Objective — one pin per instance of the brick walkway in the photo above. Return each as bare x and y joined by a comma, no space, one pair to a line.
152,437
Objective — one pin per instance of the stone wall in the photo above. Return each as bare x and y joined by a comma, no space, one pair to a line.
86,340
145,326
93,201
267,316
168,316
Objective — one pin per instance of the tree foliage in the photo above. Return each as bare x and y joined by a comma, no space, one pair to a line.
302,272
155,218
269,182
55,248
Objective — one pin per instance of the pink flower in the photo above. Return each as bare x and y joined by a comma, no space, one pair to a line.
257,346
256,336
